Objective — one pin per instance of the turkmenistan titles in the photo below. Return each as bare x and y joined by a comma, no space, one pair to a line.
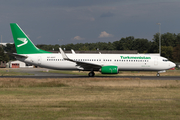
132,57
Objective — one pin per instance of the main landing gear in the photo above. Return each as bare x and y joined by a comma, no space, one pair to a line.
91,74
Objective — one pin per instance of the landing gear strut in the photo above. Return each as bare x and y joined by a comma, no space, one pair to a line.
91,74
158,75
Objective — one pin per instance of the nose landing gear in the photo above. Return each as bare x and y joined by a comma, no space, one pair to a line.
158,75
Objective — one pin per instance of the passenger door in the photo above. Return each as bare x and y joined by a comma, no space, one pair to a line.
39,60
155,61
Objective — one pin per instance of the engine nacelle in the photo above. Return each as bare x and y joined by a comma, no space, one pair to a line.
109,70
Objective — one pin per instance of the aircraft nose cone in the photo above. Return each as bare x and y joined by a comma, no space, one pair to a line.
173,65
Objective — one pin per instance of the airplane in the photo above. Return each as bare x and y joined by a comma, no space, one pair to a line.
105,63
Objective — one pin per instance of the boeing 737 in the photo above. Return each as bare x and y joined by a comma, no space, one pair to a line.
105,63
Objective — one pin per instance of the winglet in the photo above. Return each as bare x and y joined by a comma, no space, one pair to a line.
73,52
63,54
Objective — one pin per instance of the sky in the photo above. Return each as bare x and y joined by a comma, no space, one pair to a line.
88,21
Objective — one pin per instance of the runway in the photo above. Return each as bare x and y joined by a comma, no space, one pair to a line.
38,74
70,76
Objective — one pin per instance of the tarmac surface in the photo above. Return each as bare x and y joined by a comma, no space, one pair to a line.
38,74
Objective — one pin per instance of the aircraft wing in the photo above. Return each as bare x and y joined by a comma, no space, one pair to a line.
87,66
81,64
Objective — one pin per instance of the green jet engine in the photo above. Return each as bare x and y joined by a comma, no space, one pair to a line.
109,70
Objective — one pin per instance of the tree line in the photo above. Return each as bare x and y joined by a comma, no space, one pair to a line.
170,46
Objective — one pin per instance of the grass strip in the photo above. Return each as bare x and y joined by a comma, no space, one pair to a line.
89,99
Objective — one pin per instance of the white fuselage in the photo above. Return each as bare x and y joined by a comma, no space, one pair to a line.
123,61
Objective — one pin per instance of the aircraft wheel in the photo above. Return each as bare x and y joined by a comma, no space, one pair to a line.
91,74
158,75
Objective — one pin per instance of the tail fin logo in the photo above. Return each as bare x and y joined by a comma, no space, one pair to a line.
24,40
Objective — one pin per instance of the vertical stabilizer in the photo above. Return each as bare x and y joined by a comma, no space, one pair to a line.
22,42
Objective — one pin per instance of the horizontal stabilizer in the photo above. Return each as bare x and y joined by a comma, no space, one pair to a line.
16,55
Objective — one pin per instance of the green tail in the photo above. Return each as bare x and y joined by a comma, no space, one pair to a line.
22,42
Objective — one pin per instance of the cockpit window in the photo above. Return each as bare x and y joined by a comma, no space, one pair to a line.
165,60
